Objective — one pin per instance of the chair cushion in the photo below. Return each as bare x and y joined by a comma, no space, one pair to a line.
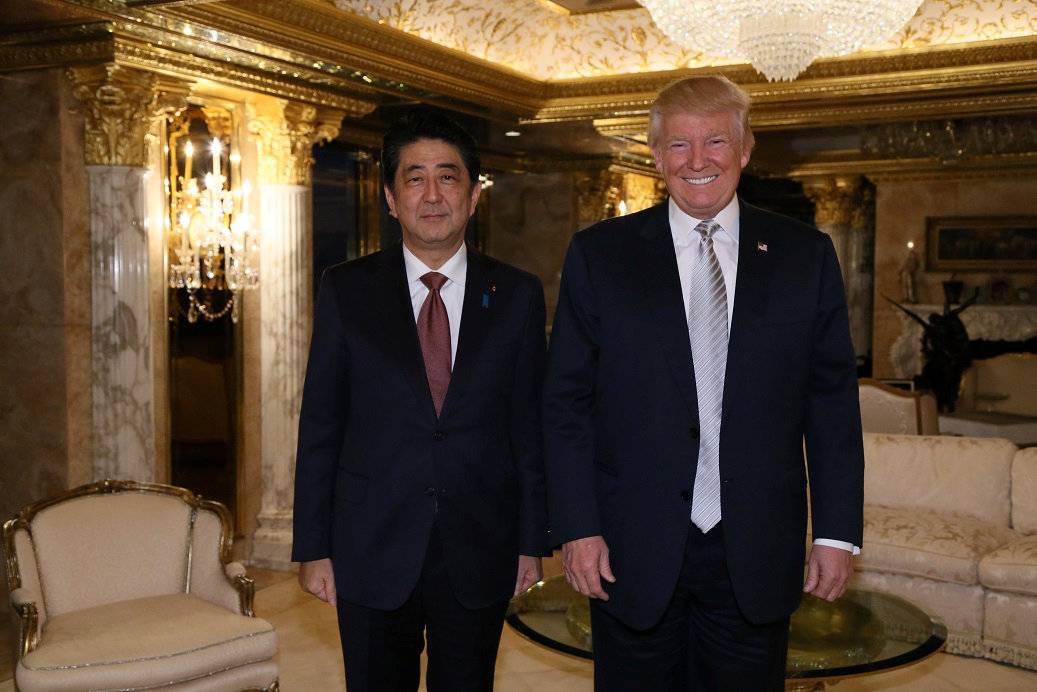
143,643
945,546
1012,567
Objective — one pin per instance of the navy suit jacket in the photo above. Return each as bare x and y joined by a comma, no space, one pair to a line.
375,467
621,416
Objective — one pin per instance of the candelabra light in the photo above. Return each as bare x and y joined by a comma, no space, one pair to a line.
212,245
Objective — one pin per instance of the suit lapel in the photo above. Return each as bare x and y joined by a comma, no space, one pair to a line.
475,316
752,292
393,306
665,302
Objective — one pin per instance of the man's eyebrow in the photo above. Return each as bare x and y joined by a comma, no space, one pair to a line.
449,166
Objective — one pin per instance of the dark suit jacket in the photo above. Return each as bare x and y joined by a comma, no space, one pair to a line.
375,467
621,417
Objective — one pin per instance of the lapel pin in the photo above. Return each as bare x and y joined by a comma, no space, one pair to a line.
486,295
762,247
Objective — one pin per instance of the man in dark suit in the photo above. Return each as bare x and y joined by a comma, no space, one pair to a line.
696,345
419,496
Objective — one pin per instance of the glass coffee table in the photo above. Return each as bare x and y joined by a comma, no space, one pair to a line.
863,632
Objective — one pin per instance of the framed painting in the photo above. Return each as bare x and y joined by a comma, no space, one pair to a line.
981,243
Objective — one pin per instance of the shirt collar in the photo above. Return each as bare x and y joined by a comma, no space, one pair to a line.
682,225
453,269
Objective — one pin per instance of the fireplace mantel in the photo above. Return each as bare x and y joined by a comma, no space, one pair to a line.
989,322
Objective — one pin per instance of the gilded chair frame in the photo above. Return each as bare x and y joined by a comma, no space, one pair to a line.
896,391
28,613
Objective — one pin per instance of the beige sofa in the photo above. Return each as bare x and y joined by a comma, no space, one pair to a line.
950,523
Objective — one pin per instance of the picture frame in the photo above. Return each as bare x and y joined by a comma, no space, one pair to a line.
981,243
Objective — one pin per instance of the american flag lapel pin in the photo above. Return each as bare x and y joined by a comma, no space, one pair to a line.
761,247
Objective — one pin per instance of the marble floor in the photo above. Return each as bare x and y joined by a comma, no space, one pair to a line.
310,659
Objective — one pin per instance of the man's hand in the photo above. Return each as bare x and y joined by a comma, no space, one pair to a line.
318,578
530,571
586,563
828,571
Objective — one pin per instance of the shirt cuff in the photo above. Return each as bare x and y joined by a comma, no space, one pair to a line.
842,545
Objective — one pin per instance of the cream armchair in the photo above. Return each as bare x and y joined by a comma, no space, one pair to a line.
886,409
121,585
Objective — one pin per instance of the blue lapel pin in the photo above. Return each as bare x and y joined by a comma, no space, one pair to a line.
486,295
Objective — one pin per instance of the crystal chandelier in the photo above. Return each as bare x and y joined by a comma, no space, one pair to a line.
212,246
779,37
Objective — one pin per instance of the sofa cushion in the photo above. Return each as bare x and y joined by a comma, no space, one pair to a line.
968,474
1024,491
946,546
1012,567
143,643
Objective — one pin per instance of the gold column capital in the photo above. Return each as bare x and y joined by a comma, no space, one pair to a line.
118,105
285,133
835,199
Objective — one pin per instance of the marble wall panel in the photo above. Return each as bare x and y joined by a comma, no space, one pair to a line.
900,214
532,218
45,349
124,431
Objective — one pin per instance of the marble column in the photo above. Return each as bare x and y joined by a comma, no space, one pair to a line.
844,209
118,105
284,142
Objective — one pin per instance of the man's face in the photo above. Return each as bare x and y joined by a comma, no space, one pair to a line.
432,195
701,158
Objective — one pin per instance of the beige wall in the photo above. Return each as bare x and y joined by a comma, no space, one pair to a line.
901,208
45,395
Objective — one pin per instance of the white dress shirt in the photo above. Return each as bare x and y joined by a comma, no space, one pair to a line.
687,246
455,270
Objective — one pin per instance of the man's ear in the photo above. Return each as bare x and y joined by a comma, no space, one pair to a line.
391,201
476,191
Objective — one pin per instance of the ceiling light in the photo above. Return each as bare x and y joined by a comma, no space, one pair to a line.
779,37
512,133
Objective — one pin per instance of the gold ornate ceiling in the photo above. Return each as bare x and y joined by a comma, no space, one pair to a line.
522,61
533,38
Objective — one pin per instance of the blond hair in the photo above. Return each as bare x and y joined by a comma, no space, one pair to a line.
706,95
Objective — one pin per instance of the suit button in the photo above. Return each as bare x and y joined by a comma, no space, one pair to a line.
438,435
685,495
694,430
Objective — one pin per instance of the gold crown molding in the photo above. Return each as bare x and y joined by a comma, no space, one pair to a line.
165,61
118,105
928,168
399,64
788,116
155,48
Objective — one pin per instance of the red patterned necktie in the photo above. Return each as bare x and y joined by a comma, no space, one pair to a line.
434,336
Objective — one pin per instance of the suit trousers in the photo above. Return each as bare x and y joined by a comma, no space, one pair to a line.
382,648
703,642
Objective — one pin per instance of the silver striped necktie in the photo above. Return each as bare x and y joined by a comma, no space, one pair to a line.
707,326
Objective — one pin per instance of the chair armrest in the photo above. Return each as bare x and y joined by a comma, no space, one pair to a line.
245,586
24,603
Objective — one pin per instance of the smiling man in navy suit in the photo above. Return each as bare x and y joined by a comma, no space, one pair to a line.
419,496
696,345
